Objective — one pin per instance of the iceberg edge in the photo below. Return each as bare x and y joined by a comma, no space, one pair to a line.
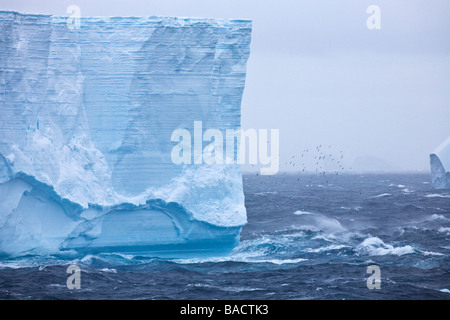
440,179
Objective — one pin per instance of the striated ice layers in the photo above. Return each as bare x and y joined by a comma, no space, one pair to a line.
440,162
86,117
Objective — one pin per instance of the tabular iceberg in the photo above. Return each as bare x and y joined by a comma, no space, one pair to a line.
439,162
85,134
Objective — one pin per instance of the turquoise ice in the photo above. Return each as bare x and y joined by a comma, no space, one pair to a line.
85,126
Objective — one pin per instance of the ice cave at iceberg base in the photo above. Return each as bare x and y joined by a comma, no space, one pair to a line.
86,123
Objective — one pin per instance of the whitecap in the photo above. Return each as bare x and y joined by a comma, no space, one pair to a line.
239,289
431,253
264,193
56,285
319,222
239,258
437,217
437,195
10,265
249,251
282,261
355,208
328,248
445,290
374,246
299,212
88,258
109,270
122,255
223,288
444,230
382,195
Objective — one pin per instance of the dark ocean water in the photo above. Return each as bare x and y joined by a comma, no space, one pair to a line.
307,237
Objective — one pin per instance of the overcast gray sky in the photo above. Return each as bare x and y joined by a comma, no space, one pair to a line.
322,77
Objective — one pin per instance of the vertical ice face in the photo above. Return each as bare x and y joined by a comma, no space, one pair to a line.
44,130
440,164
86,121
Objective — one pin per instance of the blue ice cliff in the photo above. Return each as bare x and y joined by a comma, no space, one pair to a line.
86,117
439,162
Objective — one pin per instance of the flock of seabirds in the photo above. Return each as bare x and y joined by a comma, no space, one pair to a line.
319,153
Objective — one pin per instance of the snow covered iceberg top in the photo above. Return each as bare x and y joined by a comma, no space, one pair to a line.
89,111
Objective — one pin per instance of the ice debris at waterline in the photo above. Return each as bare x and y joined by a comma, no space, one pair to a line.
440,162
85,134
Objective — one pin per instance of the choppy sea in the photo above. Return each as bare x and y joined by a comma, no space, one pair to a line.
307,237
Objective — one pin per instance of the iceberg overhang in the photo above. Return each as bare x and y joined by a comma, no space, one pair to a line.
85,137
